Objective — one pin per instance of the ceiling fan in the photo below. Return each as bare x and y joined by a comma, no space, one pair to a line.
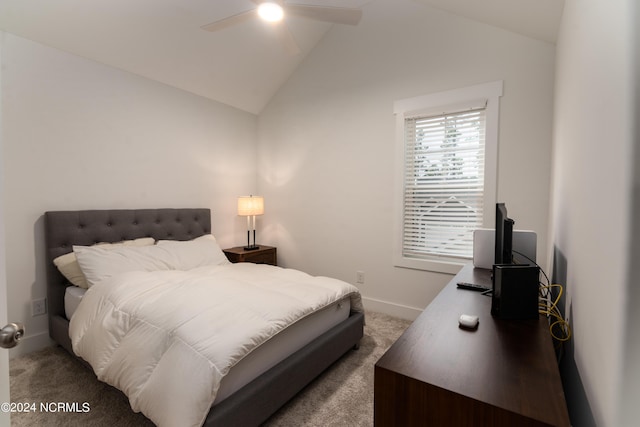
276,10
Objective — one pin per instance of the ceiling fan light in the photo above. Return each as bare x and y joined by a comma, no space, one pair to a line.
270,11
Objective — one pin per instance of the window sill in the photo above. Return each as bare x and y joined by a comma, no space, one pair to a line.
448,266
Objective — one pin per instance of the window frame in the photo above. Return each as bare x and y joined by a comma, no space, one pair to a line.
442,103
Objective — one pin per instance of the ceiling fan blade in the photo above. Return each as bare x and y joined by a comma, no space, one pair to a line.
231,20
288,41
336,15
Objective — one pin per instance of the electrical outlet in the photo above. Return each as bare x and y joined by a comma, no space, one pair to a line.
38,307
360,277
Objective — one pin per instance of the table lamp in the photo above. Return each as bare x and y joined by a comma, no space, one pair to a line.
250,206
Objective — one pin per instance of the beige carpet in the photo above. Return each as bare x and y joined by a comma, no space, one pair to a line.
342,396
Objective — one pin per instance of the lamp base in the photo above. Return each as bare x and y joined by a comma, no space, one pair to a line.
251,248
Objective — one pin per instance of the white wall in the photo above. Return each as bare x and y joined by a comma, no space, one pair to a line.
629,408
326,140
591,214
4,355
81,135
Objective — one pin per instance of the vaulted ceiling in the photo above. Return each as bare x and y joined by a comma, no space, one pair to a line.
242,66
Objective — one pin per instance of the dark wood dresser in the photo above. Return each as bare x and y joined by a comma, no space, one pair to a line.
504,373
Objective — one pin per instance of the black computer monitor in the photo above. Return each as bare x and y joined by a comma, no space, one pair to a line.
504,236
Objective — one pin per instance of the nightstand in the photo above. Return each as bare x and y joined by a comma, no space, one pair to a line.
262,255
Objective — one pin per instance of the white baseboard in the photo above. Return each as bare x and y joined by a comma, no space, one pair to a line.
392,309
31,343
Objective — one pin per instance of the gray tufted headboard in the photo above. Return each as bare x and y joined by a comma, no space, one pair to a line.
63,229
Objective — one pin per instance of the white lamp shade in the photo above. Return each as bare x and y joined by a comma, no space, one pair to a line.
250,205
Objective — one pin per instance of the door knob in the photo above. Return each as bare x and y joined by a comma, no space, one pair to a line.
11,335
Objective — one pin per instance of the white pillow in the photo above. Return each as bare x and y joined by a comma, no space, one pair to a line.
98,264
201,251
67,264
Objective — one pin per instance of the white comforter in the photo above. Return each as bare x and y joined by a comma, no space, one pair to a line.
167,338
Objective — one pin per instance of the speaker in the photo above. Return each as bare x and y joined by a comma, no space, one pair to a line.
515,291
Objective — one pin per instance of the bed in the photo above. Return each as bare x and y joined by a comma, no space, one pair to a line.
248,404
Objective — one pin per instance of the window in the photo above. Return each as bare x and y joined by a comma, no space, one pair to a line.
446,177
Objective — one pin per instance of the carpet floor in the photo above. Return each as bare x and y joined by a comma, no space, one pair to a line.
341,396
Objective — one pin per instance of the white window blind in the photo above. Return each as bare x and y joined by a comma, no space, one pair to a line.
443,183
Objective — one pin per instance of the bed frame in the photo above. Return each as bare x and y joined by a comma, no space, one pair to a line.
250,405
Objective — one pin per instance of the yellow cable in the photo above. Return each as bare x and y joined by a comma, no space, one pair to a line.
553,311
